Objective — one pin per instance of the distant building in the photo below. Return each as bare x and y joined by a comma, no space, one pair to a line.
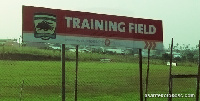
37,45
9,42
175,54
145,53
115,50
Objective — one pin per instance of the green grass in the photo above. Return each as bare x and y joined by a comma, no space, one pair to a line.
97,81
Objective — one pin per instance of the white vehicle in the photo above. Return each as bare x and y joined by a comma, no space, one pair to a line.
173,64
118,51
80,50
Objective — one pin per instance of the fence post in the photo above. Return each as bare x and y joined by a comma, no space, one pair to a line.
170,73
198,78
140,71
76,83
63,71
147,78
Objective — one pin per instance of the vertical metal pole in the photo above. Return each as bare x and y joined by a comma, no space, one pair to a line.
19,42
76,83
147,78
170,73
63,71
22,37
140,70
197,93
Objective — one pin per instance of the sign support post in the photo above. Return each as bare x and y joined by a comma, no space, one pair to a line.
147,78
140,71
63,71
76,82
170,73
198,78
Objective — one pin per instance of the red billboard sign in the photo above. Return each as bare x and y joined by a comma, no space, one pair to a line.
48,25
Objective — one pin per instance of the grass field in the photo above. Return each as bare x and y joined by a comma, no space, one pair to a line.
97,81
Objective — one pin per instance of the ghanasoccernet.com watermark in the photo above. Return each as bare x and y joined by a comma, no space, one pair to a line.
170,95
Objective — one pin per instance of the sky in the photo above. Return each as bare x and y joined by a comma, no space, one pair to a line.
180,18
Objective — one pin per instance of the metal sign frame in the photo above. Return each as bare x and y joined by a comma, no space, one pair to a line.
172,76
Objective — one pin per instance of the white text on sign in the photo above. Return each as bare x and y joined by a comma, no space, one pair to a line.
104,25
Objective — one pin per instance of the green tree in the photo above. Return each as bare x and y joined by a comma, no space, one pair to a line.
166,57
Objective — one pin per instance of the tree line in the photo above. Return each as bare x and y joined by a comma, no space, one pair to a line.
187,53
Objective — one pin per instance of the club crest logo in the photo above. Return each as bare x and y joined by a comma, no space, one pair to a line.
45,26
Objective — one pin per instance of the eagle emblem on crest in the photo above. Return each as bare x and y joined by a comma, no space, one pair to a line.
45,26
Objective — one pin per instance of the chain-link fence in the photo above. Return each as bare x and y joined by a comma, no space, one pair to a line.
104,74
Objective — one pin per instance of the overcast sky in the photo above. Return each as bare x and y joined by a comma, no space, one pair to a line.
181,18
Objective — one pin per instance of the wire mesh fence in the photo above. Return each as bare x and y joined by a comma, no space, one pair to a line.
30,80
104,74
